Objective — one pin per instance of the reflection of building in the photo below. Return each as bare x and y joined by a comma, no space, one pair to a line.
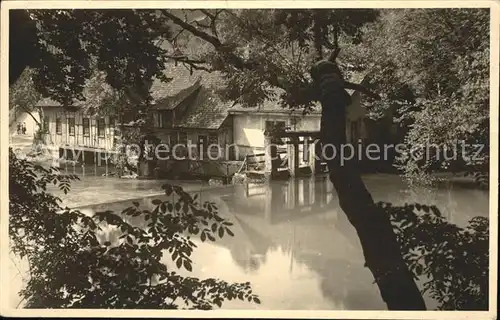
302,218
284,200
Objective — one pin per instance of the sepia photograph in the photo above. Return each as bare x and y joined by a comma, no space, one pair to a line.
298,159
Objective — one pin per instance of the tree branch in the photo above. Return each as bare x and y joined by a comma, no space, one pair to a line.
29,112
235,60
194,64
360,88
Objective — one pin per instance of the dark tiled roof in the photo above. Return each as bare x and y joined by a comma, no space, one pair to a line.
181,80
183,84
207,111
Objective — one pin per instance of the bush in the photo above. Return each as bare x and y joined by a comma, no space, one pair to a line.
453,261
71,266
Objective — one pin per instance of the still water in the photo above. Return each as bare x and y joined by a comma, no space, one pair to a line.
294,244
297,248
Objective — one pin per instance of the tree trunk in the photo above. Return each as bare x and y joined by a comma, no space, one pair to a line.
380,247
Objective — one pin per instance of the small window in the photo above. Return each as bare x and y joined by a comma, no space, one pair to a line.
174,140
213,138
58,125
275,125
183,138
71,126
46,123
269,125
165,119
101,125
202,142
86,126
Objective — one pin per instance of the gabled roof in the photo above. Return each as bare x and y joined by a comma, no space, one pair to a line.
207,111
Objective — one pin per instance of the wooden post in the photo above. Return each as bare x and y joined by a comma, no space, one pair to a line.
319,152
66,160
106,162
312,157
293,156
268,170
95,163
83,163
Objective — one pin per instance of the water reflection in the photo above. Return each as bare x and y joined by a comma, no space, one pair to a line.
296,246
299,219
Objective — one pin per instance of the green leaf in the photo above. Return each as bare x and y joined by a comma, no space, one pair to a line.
229,232
156,202
221,232
214,227
178,263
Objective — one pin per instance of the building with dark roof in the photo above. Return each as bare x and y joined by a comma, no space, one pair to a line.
188,110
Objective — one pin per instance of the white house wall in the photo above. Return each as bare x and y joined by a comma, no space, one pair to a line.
91,141
248,127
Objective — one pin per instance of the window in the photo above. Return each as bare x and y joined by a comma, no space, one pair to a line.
46,123
213,138
86,126
202,143
71,126
58,125
174,139
165,119
101,126
157,119
112,125
275,125
183,138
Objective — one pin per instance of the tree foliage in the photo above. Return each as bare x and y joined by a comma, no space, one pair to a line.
452,262
112,260
432,68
